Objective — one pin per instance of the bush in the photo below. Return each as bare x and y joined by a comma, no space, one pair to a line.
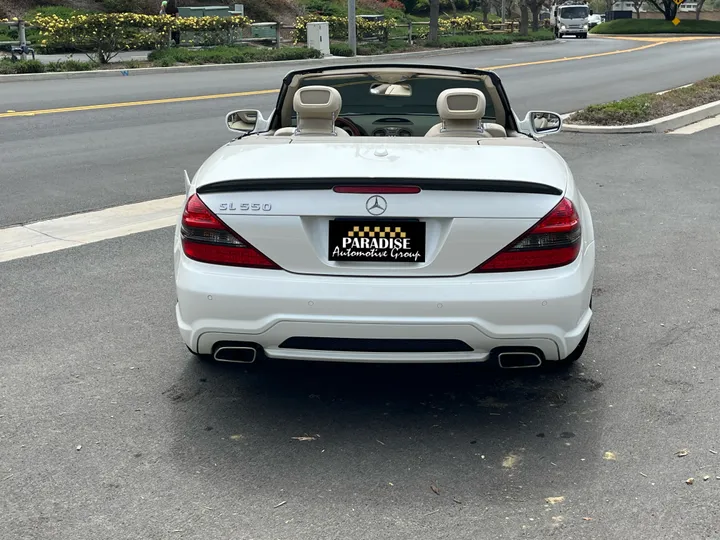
104,35
340,49
229,55
656,26
21,66
338,27
70,65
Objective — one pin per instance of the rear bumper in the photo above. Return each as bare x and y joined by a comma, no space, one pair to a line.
547,310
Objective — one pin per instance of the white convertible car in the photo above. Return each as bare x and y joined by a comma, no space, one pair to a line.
386,213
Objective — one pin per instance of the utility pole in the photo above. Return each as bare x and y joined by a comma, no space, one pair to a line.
503,14
352,28
21,38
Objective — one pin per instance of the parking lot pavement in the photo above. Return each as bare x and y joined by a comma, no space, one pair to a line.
110,429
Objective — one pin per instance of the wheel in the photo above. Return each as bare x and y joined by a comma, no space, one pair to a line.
583,36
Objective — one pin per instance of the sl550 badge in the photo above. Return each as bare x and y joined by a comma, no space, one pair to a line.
244,207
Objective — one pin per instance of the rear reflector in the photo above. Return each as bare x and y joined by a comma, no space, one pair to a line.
205,238
554,241
376,190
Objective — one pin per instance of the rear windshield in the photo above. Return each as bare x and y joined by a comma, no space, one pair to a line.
357,98
577,12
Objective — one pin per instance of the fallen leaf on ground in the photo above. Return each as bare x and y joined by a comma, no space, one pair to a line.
510,461
304,438
236,437
706,478
682,453
587,519
689,481
554,500
610,456
435,489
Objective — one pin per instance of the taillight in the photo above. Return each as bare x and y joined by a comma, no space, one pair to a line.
554,241
205,238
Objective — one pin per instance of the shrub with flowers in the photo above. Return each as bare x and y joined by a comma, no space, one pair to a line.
465,24
104,35
338,27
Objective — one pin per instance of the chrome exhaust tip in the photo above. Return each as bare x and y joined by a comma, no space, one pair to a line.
518,360
235,354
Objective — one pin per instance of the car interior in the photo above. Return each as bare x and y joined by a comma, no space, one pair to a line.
392,104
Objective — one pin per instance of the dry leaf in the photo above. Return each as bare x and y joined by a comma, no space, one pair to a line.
435,489
235,437
587,518
554,500
304,438
682,453
510,461
689,481
610,456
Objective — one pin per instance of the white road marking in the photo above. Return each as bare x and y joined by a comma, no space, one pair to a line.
81,229
697,126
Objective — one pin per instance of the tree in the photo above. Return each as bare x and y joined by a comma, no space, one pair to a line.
700,4
637,4
485,7
666,7
523,18
433,35
535,6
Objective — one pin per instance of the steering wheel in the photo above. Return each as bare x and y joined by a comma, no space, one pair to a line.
350,127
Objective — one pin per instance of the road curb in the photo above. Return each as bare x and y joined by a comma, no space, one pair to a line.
659,125
653,35
330,60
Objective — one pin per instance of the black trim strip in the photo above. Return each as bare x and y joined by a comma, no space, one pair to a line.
445,184
376,345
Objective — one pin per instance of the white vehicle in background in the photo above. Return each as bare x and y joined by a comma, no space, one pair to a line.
386,213
570,18
595,19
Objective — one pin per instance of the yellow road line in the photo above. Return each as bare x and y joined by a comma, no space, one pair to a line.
569,58
15,114
667,39
135,103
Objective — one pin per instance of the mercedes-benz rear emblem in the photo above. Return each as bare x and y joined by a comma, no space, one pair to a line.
376,205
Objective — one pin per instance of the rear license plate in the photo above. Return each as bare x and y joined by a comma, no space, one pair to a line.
376,241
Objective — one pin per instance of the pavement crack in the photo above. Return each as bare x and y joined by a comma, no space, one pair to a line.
28,227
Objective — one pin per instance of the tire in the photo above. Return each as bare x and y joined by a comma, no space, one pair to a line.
583,36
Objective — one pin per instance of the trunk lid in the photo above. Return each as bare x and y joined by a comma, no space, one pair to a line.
401,209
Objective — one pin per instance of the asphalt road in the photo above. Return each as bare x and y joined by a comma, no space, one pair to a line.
64,163
110,429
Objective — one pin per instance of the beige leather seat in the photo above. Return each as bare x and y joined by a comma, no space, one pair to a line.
317,108
461,111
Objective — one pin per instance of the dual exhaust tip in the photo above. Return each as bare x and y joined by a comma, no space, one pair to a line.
248,353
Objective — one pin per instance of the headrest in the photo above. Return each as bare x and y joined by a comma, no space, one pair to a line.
317,102
461,104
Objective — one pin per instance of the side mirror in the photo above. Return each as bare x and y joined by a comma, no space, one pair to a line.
243,121
543,123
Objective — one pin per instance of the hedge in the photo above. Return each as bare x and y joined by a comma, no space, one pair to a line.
105,34
338,26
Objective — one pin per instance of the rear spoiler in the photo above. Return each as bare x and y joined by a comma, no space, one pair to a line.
429,184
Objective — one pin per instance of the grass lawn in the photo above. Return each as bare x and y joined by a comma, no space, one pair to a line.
646,107
656,26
